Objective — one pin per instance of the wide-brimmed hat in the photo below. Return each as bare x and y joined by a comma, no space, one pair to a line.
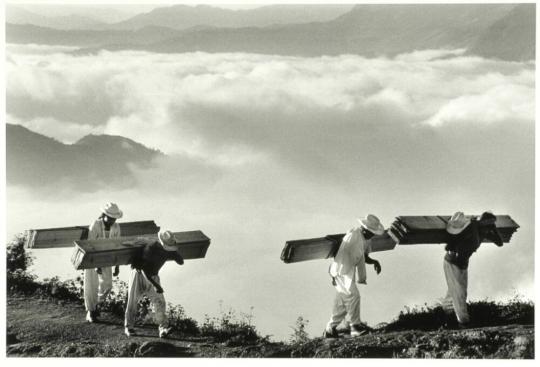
112,210
167,240
457,223
372,224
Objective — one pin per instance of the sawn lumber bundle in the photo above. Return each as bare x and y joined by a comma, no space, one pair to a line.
120,251
64,237
405,230
411,230
326,247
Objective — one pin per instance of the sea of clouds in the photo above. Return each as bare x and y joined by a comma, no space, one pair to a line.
262,149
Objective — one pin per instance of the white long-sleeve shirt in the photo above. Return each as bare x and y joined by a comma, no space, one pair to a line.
97,230
349,263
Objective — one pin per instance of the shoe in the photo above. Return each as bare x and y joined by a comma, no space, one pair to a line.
164,332
129,331
343,330
358,330
91,316
332,333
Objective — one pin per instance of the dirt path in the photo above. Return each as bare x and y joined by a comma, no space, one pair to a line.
47,328
44,327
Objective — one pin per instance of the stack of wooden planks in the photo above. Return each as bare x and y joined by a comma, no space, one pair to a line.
405,230
90,254
65,237
432,229
327,247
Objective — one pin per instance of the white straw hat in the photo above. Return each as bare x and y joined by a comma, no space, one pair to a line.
112,210
372,224
457,223
167,240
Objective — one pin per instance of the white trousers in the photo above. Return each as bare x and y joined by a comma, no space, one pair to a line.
346,305
456,296
138,287
96,287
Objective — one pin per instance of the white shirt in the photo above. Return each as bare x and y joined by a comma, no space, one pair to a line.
349,263
97,230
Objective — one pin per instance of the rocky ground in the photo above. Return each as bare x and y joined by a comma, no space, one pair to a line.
46,328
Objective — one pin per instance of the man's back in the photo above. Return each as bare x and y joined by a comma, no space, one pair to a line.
152,257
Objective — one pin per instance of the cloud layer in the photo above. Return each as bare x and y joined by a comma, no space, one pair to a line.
263,149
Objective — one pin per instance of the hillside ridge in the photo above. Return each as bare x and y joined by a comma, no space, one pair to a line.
43,327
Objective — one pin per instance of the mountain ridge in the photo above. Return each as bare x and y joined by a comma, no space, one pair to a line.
366,30
98,160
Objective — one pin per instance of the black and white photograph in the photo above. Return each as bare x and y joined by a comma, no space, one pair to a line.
261,180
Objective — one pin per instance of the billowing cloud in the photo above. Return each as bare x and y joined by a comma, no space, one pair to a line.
262,149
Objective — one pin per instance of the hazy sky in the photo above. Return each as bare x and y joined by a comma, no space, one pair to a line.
120,10
263,149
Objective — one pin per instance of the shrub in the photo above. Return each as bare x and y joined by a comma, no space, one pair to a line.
180,322
483,313
228,328
17,257
116,300
299,334
69,290
19,281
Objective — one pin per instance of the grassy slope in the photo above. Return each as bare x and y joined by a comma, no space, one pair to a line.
44,327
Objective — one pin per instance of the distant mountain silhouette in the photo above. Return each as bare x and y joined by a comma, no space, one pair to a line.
17,15
503,31
92,163
102,13
184,16
24,34
516,31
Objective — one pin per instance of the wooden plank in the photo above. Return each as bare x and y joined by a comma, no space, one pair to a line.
120,251
422,222
64,236
308,249
327,247
409,230
440,221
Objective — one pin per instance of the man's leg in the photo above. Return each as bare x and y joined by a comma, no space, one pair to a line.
339,311
134,291
352,303
105,283
457,279
159,305
446,301
90,293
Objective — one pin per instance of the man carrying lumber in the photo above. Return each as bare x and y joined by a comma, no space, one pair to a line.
144,280
98,282
349,265
464,238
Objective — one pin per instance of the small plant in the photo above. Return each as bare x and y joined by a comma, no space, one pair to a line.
228,328
180,322
299,334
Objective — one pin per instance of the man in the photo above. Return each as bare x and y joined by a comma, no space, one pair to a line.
464,238
349,266
98,282
144,280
